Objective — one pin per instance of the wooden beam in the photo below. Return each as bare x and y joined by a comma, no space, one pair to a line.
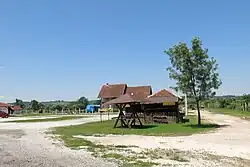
121,116
138,118
119,107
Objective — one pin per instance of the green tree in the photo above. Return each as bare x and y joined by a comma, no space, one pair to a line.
194,72
48,108
95,102
58,107
83,101
35,105
20,103
246,100
41,107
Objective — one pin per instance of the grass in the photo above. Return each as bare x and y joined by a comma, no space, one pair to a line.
63,118
110,152
34,114
106,127
231,112
139,163
104,151
129,161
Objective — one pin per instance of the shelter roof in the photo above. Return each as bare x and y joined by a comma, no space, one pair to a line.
159,99
123,99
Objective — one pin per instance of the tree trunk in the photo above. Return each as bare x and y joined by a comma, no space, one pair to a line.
198,110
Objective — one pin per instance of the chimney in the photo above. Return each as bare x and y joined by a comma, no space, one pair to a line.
107,84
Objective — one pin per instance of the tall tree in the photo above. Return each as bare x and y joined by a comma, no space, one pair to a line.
35,105
41,107
83,101
194,72
20,103
246,100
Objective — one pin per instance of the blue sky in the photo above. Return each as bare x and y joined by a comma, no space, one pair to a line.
65,49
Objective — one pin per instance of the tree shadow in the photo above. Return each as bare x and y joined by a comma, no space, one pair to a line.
206,126
139,127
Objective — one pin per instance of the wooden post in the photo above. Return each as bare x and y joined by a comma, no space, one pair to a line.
101,116
108,115
121,116
144,112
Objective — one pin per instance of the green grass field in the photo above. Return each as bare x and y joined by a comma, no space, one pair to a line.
62,118
226,111
106,127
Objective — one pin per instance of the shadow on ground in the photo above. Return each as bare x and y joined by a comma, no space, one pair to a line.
206,126
140,127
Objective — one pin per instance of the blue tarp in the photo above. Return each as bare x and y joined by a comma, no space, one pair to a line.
92,108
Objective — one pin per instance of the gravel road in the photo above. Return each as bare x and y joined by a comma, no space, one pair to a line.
230,142
25,145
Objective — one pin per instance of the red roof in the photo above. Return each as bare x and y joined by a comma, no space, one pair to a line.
160,99
16,108
163,93
4,104
139,92
112,91
123,99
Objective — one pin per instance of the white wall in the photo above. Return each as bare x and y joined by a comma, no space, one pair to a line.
4,109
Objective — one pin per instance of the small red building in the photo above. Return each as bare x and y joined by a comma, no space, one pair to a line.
6,109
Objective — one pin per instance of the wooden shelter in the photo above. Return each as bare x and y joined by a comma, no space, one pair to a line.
138,103
110,92
121,102
160,110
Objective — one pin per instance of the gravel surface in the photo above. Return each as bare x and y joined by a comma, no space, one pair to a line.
26,145
229,142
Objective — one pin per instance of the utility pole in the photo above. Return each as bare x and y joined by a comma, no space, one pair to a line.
186,109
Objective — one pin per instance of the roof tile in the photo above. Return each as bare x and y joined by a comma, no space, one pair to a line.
111,91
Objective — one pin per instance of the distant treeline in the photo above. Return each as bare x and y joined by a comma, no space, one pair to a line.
55,106
230,102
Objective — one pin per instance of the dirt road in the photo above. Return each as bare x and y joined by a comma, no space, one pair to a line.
25,145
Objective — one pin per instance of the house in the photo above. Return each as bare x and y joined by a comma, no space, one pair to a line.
6,109
109,92
112,91
16,109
